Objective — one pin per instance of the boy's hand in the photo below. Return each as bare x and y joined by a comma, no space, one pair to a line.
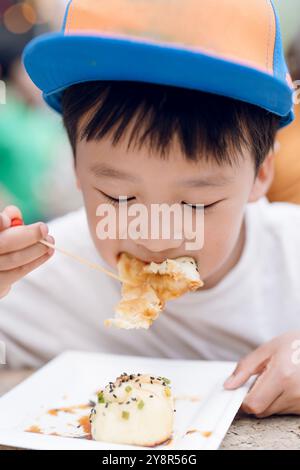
277,387
20,251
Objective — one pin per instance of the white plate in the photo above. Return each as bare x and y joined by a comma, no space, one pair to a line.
202,405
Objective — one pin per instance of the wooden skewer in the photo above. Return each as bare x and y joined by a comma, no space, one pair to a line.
86,262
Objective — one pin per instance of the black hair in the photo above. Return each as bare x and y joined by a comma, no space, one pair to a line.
208,126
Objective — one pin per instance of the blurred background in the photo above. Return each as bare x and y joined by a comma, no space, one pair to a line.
36,163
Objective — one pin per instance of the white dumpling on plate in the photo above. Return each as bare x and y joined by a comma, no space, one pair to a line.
134,410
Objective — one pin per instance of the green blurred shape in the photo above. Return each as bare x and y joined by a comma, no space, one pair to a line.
26,136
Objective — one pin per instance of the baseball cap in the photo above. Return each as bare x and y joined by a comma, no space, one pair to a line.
226,47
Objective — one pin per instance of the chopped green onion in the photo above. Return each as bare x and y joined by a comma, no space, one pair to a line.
141,405
101,397
125,414
167,381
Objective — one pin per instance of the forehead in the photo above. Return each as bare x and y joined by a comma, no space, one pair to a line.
139,163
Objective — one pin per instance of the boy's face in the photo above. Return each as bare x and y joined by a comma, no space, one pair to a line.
103,169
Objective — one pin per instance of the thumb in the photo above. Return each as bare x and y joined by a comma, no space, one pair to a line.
253,363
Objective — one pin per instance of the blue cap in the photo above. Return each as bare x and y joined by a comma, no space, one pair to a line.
226,47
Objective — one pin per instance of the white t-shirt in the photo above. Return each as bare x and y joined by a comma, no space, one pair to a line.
62,304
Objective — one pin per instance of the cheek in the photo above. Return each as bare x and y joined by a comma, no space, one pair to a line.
108,248
221,233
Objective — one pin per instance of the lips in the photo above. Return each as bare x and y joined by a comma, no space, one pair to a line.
151,259
158,261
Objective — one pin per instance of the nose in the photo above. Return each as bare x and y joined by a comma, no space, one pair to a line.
163,233
160,245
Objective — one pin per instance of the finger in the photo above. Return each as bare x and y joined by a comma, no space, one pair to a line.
13,212
27,255
253,363
4,222
265,390
16,274
17,238
278,406
8,214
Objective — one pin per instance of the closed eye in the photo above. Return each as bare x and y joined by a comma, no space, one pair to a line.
200,206
115,201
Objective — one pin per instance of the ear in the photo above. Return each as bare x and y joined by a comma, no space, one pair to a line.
263,179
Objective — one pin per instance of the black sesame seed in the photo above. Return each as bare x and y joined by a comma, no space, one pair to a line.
115,396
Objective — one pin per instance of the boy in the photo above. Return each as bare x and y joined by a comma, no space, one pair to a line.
166,102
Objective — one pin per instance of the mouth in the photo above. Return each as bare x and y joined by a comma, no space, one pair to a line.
152,260
148,260
157,261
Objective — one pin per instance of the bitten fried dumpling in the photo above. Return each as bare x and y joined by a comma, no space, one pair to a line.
153,285
135,410
173,277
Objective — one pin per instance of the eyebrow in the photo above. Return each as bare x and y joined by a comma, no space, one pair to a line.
211,181
100,170
109,172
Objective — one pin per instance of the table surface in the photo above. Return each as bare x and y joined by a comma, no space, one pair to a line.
277,432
